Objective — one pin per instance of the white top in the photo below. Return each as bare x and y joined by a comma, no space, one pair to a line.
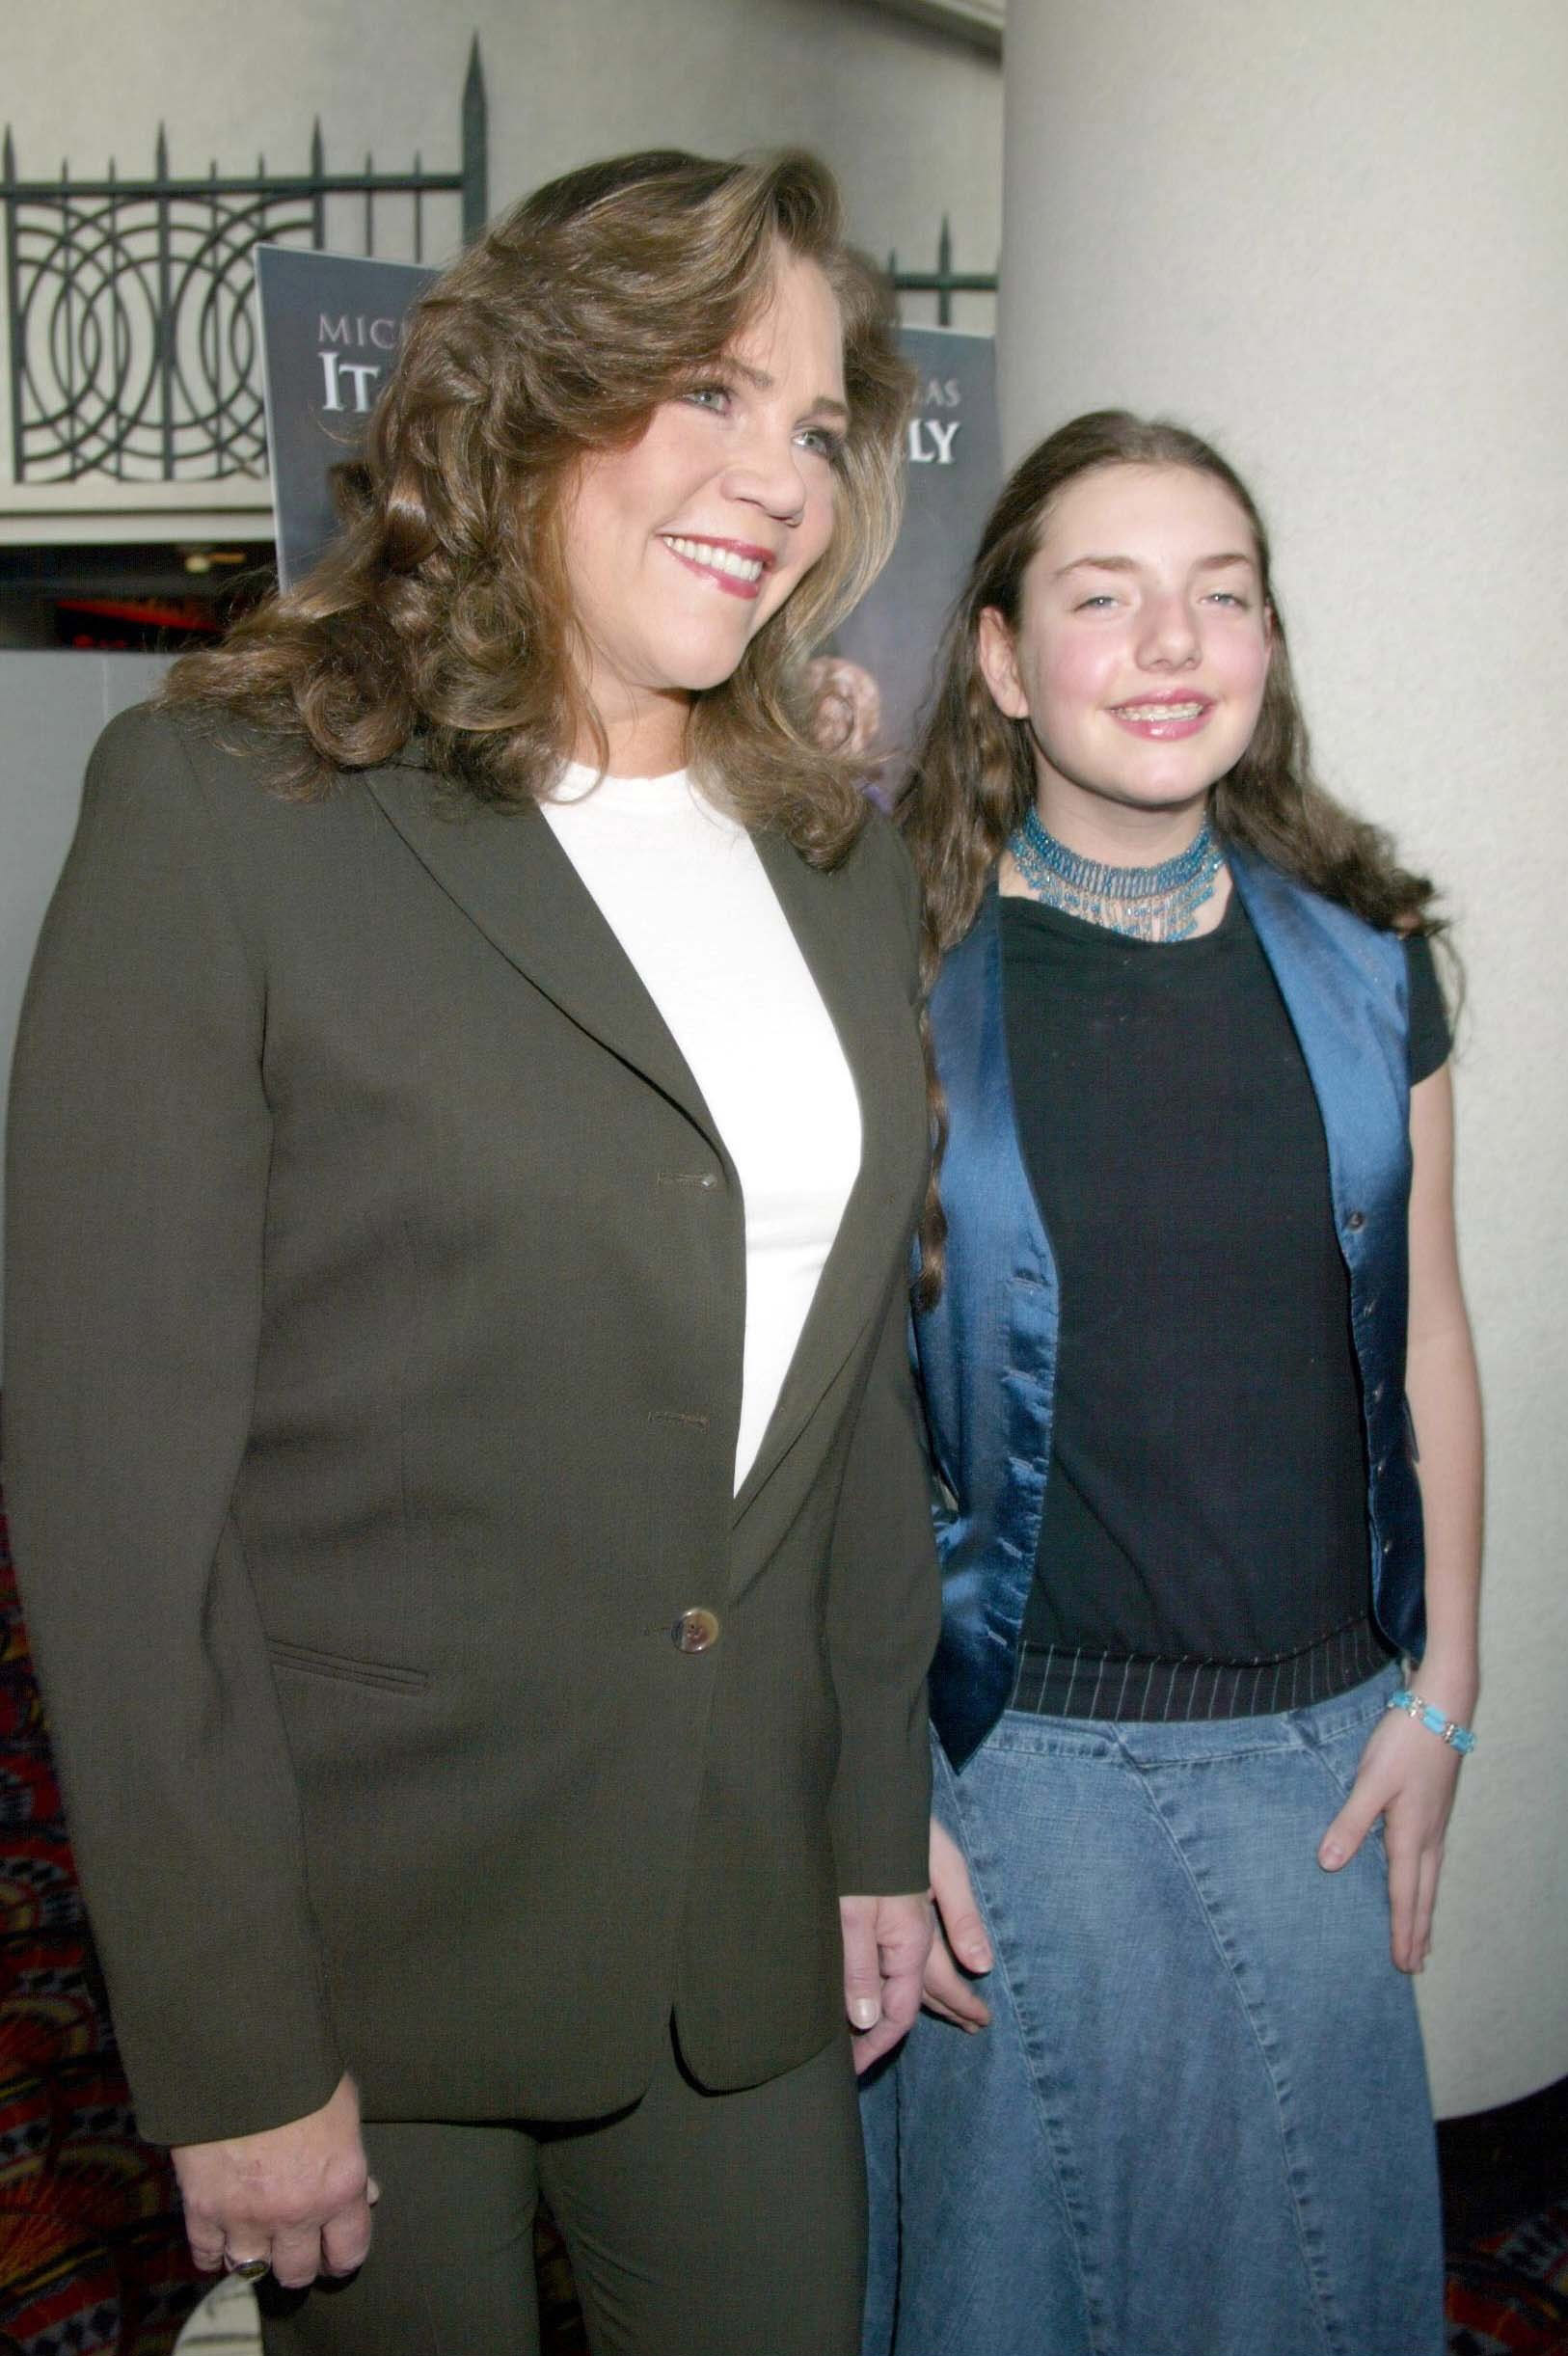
681,887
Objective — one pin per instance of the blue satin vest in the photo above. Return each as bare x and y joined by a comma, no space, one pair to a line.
987,1351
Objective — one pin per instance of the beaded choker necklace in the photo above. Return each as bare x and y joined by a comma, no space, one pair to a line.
1150,904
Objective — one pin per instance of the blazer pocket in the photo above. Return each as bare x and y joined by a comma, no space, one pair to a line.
385,1675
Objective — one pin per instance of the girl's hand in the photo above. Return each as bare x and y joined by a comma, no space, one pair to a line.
960,1938
1407,1776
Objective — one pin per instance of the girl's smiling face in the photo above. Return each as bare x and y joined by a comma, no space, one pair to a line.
1142,649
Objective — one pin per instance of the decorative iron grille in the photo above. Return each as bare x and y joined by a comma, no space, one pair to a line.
131,330
944,281
132,342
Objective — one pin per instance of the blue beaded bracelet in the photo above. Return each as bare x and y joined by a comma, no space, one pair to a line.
1458,1737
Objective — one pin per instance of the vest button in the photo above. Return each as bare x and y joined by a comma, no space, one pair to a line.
1356,1222
695,1631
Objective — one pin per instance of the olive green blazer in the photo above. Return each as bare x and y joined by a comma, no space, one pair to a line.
374,1312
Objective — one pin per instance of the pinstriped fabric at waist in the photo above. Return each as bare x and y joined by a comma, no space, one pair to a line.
1064,1681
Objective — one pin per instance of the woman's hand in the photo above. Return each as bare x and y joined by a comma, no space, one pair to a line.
885,1943
298,2196
961,1939
1407,1776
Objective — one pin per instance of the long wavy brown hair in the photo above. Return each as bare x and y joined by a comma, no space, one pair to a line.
973,777
442,611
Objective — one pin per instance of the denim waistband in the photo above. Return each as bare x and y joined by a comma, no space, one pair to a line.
1148,1743
1062,1681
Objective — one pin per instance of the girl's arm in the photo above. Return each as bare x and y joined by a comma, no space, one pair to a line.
1446,1407
1407,1773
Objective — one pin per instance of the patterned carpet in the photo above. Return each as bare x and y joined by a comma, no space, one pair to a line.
1508,2293
1506,2223
92,2254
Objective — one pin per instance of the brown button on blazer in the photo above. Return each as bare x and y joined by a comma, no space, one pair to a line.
374,1314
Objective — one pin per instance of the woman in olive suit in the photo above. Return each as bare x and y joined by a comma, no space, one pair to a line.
467,1125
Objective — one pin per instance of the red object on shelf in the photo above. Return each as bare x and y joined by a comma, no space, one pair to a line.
148,613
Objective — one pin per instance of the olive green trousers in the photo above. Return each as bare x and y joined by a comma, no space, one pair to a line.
698,2225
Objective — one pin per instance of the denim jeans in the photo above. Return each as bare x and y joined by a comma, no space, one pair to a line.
1198,2123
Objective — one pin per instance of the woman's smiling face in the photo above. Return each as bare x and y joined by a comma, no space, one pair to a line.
681,546
1142,644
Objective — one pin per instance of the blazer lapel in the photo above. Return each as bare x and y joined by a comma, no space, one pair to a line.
504,869
876,1030
507,873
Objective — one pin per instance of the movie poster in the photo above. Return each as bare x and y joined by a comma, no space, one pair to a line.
331,325
879,669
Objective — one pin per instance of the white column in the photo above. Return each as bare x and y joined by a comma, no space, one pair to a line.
1334,240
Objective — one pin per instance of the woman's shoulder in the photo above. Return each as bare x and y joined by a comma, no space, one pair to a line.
883,872
163,743
172,792
881,843
165,766
153,753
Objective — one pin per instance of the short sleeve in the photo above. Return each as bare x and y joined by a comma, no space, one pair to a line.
1430,1036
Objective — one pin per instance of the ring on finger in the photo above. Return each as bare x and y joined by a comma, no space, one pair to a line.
248,2269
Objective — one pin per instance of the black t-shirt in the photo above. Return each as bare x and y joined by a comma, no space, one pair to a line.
1207,1486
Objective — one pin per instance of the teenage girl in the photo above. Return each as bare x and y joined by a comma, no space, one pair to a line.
1206,1447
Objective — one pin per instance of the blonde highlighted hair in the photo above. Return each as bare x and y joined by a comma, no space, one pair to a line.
443,610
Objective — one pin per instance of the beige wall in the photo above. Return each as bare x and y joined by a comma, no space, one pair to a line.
1337,239
910,117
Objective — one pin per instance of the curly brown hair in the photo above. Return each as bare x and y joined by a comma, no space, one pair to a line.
441,611
973,777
